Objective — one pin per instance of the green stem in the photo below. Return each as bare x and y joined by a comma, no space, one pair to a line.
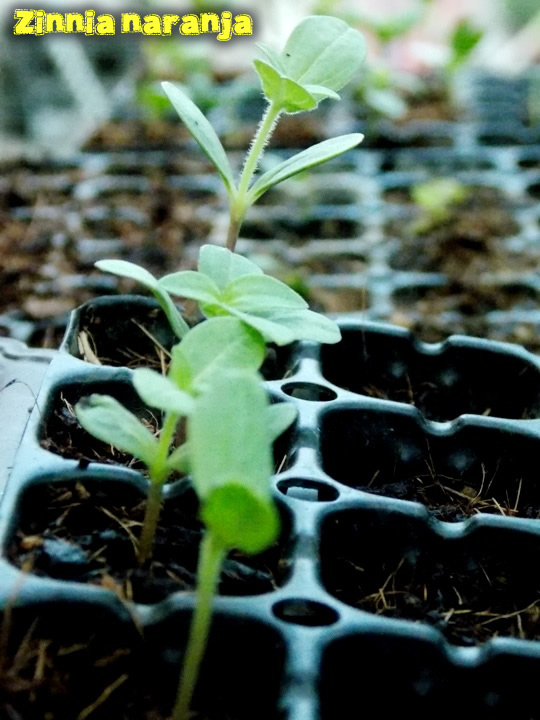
239,204
212,554
158,476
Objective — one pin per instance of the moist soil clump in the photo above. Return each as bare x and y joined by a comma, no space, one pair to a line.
89,533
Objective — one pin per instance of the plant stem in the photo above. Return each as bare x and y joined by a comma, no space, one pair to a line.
212,554
158,476
238,205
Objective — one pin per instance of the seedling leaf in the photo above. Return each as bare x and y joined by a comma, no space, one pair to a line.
134,272
241,519
285,92
283,326
160,392
209,348
228,436
191,284
224,266
315,155
324,51
280,416
258,292
107,420
203,133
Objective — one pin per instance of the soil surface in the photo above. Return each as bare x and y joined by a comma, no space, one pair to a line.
469,593
89,533
467,244
454,499
93,670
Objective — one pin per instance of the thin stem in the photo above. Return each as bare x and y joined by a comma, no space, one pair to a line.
239,204
158,476
212,554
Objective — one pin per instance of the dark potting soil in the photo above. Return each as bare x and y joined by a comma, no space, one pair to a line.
453,499
89,533
467,244
470,590
83,665
124,335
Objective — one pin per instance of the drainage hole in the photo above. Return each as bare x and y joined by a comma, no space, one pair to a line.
305,612
310,490
309,391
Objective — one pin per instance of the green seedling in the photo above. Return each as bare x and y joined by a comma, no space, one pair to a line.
204,353
320,57
436,198
212,386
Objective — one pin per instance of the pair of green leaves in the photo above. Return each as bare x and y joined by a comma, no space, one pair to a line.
229,284
320,57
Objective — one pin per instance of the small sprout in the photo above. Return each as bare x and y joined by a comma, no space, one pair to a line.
436,198
212,383
463,40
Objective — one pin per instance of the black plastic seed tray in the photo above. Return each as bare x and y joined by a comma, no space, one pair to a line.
406,575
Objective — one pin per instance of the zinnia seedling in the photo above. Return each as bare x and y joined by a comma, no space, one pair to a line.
319,58
212,381
206,351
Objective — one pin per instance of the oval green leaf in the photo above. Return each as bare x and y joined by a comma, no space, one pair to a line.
160,392
107,420
191,284
252,293
214,346
241,519
323,50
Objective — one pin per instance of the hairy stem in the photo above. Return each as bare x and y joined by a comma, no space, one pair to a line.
239,204
212,554
158,476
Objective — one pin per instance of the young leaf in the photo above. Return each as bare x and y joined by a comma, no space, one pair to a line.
241,519
280,416
315,155
323,50
273,57
203,133
283,326
288,94
224,266
231,419
160,392
107,420
134,272
252,293
191,284
211,347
